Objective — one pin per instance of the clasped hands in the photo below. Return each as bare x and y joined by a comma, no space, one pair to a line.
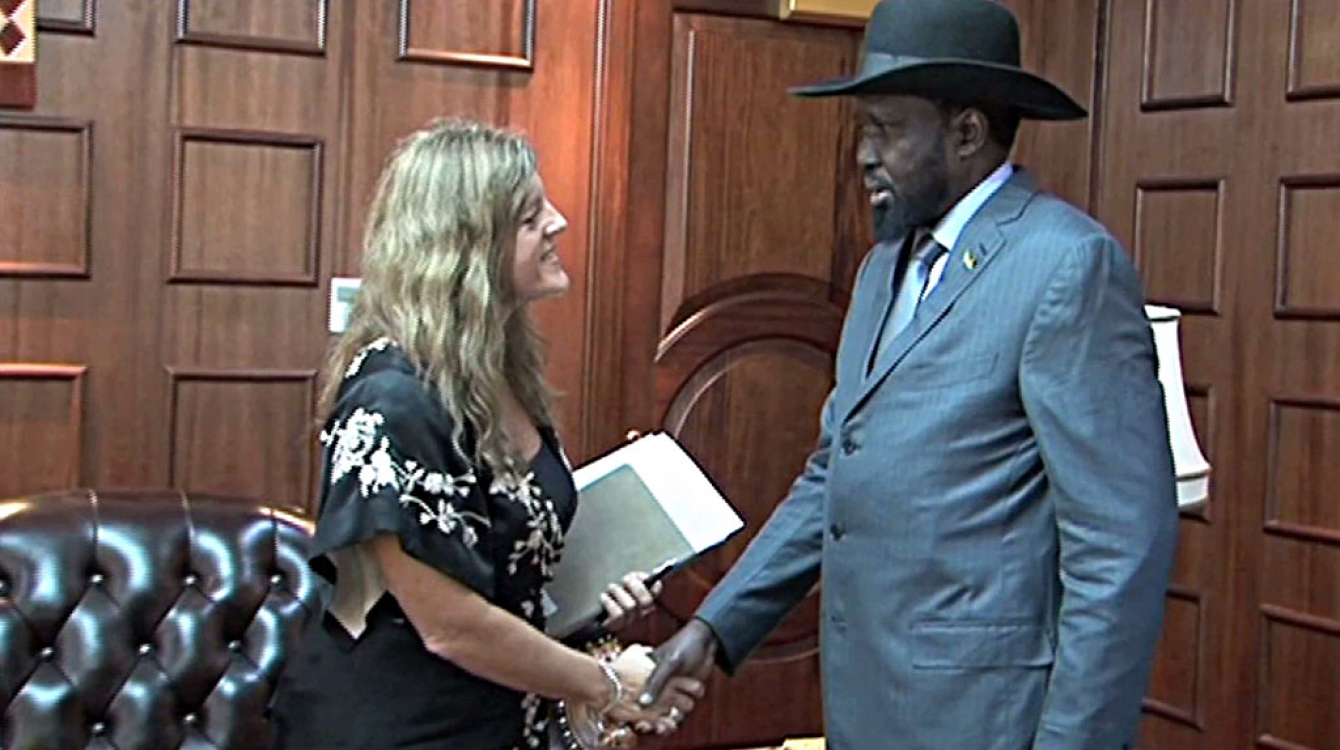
658,688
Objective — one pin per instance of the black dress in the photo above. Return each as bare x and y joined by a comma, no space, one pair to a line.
389,467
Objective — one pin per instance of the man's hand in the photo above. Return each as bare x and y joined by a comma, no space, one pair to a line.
689,653
634,666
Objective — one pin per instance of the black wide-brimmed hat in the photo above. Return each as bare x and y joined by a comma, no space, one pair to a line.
963,51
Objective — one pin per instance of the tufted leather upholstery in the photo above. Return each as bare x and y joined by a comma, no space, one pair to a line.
145,620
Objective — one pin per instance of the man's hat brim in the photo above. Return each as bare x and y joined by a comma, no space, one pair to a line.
959,81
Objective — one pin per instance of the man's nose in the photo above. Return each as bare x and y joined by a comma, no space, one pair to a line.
866,156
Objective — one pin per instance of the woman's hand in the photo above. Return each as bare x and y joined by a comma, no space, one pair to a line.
628,599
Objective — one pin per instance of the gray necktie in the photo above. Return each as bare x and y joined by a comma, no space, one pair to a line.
911,289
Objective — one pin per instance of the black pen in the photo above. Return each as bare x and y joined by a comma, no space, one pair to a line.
661,571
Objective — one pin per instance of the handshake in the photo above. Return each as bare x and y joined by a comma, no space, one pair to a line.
653,690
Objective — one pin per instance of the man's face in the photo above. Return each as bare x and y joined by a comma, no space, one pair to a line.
903,155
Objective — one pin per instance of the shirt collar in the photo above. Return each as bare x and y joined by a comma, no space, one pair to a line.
951,226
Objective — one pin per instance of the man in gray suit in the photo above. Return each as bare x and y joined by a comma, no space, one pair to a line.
992,501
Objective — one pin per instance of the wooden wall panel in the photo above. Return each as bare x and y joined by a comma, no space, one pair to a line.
1178,240
1308,274
207,166
273,25
243,433
1059,41
1314,68
469,32
1189,53
1304,444
109,320
1175,689
68,16
1300,655
44,196
247,207
1301,574
1268,348
41,426
256,182
743,153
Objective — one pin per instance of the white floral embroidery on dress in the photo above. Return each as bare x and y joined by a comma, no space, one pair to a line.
537,720
358,445
543,539
356,363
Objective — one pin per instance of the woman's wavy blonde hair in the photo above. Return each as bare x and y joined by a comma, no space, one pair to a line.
438,255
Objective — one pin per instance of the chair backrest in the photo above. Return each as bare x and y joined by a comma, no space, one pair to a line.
146,619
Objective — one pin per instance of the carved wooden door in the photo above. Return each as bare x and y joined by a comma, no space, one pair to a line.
745,225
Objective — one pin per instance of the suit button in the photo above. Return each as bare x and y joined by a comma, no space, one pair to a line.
848,445
836,530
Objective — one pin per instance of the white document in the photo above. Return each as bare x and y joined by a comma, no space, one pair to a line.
643,506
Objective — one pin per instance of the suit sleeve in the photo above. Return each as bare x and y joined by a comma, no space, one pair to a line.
779,566
1091,392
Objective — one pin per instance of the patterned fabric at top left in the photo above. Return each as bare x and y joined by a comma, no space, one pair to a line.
18,37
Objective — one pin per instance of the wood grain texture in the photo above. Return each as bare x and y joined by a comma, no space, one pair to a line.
1314,67
1178,242
1061,40
469,32
1297,681
204,168
41,425
259,25
246,433
1308,271
45,207
744,226
68,16
246,208
1189,53
742,152
111,321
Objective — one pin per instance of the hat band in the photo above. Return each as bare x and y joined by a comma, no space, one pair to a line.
874,63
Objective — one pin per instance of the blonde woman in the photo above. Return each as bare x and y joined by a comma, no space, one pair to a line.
445,494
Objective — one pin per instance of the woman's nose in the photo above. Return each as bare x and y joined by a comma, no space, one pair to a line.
558,223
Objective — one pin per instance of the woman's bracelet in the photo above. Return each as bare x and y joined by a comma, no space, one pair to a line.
616,685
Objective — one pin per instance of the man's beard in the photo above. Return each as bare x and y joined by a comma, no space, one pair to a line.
919,207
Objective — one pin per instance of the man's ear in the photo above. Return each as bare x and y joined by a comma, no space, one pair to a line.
970,131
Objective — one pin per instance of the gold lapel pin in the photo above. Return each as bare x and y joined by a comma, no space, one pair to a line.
969,260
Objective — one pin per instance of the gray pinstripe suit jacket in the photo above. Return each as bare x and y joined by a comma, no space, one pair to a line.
992,506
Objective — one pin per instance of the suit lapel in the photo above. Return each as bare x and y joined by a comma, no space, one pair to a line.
982,240
883,263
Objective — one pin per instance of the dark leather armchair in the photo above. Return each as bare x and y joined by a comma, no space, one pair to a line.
146,620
